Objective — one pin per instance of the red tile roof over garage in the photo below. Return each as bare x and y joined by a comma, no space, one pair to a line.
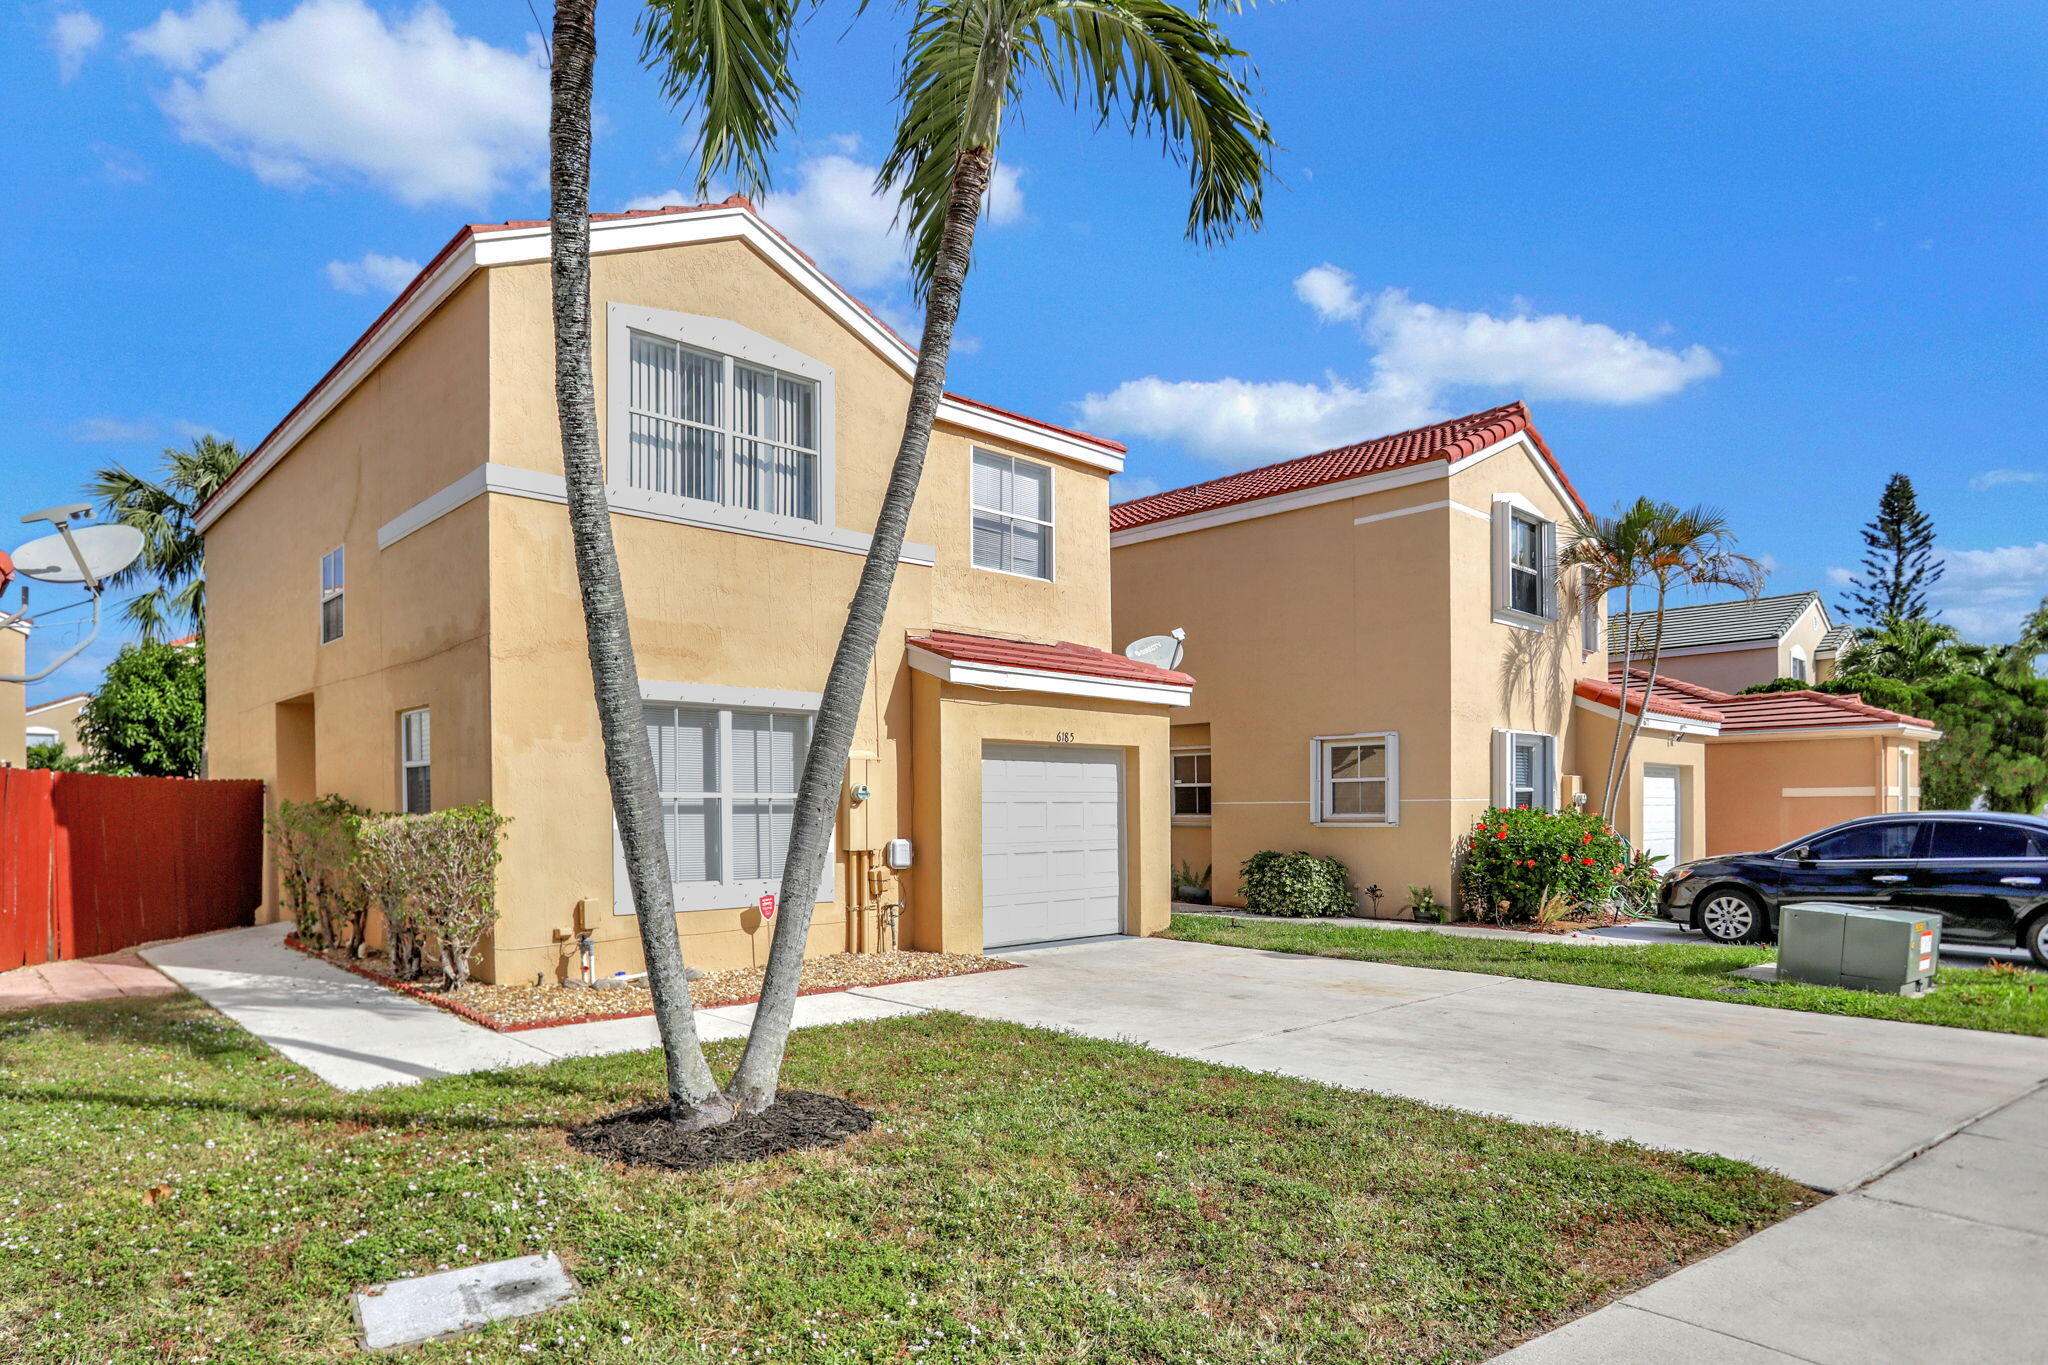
1758,712
1063,657
1609,694
1451,440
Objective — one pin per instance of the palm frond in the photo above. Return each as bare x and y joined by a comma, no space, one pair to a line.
727,62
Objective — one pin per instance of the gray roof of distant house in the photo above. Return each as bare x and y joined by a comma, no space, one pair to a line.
1742,621
1836,640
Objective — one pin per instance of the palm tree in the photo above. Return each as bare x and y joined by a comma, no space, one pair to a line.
1148,63
173,550
1689,548
729,59
1613,553
1914,650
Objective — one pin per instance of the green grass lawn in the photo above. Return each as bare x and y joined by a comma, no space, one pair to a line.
1968,997
176,1192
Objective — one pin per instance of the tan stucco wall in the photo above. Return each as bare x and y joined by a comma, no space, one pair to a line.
1748,807
1593,751
13,725
62,716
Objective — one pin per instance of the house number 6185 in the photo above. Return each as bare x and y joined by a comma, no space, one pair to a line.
1065,736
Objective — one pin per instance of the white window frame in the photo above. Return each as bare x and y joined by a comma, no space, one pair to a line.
1802,667
728,894
1505,742
1590,612
1508,508
731,343
1176,785
975,509
1320,804
333,588
407,763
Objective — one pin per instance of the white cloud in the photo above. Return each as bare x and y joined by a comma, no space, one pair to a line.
1421,355
1998,478
1841,577
334,90
183,41
1985,593
73,36
119,166
111,430
1332,291
1130,487
371,272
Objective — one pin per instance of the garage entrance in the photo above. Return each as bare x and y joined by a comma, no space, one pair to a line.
1052,852
1661,814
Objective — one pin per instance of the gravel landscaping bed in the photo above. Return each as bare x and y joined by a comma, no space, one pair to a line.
510,1008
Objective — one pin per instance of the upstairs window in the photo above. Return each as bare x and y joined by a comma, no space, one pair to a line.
1191,784
1012,515
333,572
1800,672
1524,564
1589,614
415,761
721,430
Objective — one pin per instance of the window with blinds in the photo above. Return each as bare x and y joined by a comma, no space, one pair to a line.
1012,515
728,780
416,761
721,430
333,580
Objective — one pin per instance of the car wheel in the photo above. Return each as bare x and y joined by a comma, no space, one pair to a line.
2034,938
1727,915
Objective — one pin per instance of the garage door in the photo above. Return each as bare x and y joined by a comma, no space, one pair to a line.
1660,814
1052,852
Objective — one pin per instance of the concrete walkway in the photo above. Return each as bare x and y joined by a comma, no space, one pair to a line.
70,983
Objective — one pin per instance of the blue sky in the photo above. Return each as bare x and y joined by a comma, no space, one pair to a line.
1756,255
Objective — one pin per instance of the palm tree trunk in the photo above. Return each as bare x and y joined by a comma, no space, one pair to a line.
1628,638
1649,688
817,803
693,1093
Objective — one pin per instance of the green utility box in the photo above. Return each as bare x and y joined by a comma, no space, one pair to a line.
1891,951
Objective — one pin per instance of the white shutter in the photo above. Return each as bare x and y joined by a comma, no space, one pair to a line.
1503,758
1549,565
1503,530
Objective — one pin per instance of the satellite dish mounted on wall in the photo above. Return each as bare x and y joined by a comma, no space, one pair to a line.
87,555
1161,651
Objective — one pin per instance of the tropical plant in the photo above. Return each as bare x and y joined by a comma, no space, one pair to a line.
173,550
1296,885
1149,64
148,718
1613,553
53,756
1908,649
1424,907
1898,560
727,61
1516,860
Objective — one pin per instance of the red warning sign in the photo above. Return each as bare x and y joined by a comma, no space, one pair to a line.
768,907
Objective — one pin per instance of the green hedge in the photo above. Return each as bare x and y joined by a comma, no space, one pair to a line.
1296,885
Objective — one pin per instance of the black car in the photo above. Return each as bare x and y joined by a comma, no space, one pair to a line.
1985,874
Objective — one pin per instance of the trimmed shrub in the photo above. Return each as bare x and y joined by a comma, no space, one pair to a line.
1514,861
314,845
1297,885
433,876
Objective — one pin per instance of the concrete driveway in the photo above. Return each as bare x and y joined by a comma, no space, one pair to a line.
1832,1102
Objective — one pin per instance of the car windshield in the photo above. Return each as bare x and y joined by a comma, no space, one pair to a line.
1885,839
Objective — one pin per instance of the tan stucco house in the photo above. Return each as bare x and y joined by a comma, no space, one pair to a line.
1386,649
393,611
1730,645
13,696
56,721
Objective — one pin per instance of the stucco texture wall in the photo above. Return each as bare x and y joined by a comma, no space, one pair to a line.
1593,752
13,721
1766,793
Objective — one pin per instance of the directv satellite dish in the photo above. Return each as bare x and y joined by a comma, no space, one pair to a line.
84,555
1161,651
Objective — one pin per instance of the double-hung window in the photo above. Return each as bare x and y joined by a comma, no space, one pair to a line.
1525,776
722,430
1191,785
415,761
333,573
1589,613
728,780
1012,515
1357,779
1525,564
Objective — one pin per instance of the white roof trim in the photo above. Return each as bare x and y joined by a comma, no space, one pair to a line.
1676,725
1010,678
527,245
1833,731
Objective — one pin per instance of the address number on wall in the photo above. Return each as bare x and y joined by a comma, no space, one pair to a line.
1065,737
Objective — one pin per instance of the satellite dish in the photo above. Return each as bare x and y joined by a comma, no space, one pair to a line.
1161,651
84,554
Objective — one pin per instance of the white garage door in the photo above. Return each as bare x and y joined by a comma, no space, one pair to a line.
1052,853
1660,814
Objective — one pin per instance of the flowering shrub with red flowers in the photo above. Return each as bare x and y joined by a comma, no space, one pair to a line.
1521,857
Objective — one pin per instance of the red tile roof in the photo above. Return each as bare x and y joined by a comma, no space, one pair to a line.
1761,712
1064,657
1451,440
472,230
1609,694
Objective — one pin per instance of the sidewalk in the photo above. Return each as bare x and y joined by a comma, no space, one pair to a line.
70,983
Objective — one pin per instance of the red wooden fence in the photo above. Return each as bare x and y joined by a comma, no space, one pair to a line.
91,865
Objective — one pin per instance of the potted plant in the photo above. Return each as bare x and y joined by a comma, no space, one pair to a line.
1189,886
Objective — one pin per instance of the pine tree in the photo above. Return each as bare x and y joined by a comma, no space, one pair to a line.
1898,561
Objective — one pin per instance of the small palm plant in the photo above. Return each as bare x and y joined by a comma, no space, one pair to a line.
173,550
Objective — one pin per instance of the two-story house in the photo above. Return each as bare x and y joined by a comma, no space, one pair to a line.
1738,643
1386,648
393,611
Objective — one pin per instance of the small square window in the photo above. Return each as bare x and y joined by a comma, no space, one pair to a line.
333,576
1356,780
415,761
1191,790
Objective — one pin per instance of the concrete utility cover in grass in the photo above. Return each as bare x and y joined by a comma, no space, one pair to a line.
427,1307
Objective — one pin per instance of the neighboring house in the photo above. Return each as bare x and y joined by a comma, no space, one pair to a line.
56,722
393,611
1783,764
13,697
1732,645
1386,649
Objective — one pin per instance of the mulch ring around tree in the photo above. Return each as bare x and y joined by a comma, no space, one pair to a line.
645,1135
